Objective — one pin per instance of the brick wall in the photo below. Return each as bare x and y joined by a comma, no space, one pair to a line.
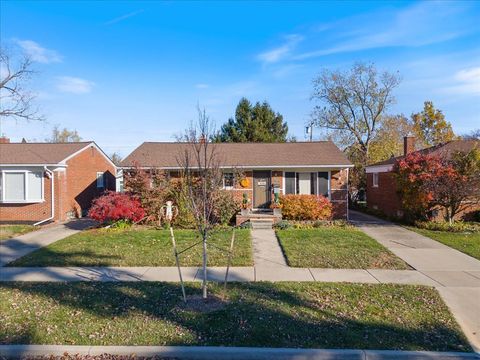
238,190
81,182
384,197
339,193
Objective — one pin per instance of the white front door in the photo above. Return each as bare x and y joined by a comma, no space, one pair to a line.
304,183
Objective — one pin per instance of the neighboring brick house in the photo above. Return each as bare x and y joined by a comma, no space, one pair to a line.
289,168
381,185
42,182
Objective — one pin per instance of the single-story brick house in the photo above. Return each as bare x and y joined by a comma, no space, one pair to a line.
290,168
381,186
42,182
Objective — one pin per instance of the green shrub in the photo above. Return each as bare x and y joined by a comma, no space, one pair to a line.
122,225
286,224
283,225
458,226
245,225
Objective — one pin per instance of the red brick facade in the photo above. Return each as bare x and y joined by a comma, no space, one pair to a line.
338,189
74,189
384,197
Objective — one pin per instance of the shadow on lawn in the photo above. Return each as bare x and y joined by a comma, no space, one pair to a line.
47,257
260,314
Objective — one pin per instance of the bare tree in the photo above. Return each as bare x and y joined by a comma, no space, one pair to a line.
202,176
116,158
15,100
472,135
63,135
351,104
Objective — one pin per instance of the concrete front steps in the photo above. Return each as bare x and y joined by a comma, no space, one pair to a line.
261,224
258,215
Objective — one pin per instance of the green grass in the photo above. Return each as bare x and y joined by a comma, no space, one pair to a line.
139,247
316,315
9,231
336,247
468,243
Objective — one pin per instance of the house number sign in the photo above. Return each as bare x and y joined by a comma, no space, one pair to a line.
262,183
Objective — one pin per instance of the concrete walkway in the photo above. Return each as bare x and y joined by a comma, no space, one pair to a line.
215,274
457,275
17,247
270,264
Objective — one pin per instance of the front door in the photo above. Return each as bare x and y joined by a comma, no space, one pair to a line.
261,189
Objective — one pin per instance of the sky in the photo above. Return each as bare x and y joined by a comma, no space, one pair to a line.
125,72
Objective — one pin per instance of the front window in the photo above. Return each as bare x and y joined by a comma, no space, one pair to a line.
21,186
100,181
307,183
228,180
375,179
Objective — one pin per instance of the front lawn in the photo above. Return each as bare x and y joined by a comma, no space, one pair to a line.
336,247
311,315
9,231
468,243
139,247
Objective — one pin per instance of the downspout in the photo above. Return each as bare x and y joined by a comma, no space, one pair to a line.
52,197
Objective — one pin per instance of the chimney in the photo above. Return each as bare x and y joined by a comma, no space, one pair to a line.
4,140
202,139
408,145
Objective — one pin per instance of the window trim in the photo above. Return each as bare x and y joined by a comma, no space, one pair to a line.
102,173
223,181
26,200
318,185
375,177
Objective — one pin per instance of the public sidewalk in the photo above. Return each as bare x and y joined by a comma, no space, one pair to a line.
15,248
216,274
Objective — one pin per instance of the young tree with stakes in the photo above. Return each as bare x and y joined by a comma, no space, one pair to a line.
200,168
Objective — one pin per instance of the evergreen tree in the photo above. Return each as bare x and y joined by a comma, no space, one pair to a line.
258,123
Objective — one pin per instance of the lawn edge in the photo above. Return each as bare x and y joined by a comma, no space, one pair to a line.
218,352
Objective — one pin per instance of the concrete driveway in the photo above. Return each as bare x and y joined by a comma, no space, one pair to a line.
457,275
15,248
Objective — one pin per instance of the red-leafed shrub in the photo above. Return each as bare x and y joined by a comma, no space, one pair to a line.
427,181
305,207
115,206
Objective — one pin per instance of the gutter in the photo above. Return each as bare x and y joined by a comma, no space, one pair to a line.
52,198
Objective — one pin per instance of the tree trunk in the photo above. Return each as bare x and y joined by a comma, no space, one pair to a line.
204,285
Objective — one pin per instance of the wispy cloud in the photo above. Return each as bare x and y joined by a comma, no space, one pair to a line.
276,54
124,17
202,86
465,81
421,24
38,53
74,85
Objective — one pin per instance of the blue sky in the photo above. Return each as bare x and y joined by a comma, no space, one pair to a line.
126,72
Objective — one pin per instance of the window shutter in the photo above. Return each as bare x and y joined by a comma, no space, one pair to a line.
313,183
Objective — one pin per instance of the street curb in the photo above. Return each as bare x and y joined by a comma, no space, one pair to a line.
227,353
